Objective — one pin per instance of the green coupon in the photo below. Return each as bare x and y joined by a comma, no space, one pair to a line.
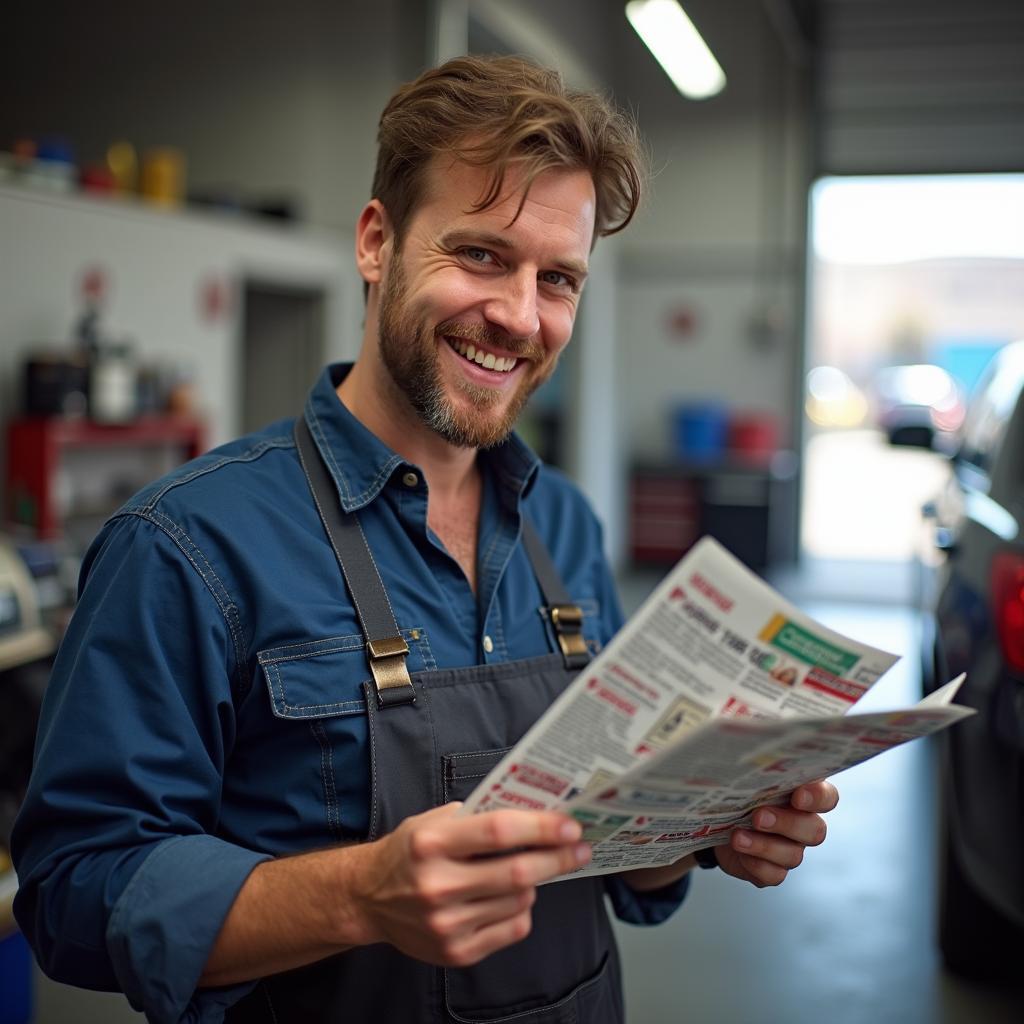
789,637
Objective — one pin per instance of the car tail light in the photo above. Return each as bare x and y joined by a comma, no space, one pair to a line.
1008,606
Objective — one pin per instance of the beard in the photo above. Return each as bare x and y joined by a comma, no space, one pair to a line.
409,351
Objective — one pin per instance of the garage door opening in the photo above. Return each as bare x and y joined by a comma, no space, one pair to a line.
915,282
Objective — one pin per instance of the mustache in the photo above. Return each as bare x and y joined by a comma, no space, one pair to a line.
481,334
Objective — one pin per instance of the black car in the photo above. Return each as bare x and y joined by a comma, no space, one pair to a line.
973,593
917,405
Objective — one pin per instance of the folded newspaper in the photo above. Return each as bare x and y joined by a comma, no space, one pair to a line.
717,697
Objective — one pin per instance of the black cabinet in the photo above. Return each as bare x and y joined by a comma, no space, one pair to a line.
748,509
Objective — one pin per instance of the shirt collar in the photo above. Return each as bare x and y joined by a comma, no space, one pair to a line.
361,464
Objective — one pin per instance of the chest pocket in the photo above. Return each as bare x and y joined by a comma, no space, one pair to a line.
316,743
323,678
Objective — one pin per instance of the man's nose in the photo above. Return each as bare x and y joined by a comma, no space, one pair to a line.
513,307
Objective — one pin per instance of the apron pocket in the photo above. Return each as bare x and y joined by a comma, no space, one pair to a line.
592,1001
560,967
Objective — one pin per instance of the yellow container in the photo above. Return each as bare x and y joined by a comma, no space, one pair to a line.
124,165
163,176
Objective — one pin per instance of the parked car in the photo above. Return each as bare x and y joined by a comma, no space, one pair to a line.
917,404
973,592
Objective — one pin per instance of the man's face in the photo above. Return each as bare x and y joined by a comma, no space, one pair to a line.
475,308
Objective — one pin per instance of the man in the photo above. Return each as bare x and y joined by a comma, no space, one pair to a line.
292,657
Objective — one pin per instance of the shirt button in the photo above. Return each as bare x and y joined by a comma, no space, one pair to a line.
410,479
488,645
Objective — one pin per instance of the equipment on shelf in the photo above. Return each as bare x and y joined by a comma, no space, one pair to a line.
22,635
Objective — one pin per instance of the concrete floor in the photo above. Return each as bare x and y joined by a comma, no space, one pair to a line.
862,467
848,939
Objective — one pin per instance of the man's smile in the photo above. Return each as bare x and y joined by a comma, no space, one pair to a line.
473,353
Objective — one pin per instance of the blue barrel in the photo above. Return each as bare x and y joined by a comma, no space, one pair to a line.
701,431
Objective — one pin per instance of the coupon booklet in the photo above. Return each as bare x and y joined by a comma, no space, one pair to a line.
717,697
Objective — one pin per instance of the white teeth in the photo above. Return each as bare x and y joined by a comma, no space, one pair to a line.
487,360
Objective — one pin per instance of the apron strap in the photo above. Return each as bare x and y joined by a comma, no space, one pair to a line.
566,617
386,649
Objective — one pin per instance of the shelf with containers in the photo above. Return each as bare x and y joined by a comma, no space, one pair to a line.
65,476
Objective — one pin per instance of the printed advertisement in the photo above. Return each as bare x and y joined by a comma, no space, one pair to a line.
717,697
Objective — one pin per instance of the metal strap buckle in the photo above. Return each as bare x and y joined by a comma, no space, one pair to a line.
390,673
568,622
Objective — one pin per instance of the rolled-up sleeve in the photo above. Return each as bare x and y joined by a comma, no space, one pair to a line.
645,907
159,935
123,884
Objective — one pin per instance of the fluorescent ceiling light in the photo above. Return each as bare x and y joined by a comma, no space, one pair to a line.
677,46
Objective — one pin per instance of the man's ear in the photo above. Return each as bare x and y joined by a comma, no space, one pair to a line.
373,241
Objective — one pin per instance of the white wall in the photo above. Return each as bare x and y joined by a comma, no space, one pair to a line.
157,265
722,235
720,362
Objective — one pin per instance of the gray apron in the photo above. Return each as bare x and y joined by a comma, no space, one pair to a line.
433,737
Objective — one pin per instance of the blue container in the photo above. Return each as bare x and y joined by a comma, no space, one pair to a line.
701,431
15,980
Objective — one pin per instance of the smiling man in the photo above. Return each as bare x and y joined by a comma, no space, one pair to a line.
294,656
501,284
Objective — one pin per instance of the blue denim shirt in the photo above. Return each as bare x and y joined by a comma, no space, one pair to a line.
205,714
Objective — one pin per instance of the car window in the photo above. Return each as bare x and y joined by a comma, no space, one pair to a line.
990,410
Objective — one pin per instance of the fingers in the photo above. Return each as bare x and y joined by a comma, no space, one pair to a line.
776,843
783,853
472,948
494,832
493,854
517,871
800,826
815,796
767,852
762,872
762,858
458,888
462,919
464,933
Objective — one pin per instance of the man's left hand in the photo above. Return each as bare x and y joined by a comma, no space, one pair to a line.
765,854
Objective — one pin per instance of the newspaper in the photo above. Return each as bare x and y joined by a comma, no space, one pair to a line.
717,697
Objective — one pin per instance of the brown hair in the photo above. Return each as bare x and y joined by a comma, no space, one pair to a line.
497,112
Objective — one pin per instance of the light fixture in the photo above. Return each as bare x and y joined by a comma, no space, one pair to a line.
677,46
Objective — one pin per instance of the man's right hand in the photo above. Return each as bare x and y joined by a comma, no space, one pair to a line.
442,888
451,890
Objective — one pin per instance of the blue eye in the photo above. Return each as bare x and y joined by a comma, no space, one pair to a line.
477,255
557,279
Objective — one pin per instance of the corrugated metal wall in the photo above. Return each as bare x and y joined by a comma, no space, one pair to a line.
920,86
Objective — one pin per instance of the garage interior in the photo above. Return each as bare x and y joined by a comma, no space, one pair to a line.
679,409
